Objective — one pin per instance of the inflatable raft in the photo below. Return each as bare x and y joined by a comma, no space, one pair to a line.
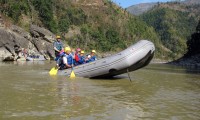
32,58
130,59
35,58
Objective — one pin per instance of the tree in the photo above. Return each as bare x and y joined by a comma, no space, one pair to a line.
45,8
198,28
194,42
63,25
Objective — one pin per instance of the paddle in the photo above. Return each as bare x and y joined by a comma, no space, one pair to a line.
129,75
53,71
72,75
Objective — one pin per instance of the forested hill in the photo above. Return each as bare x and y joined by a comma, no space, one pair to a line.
174,22
89,24
141,8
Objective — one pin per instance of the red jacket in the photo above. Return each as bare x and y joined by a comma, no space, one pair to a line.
77,57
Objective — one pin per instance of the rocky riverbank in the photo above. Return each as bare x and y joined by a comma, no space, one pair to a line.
192,62
37,41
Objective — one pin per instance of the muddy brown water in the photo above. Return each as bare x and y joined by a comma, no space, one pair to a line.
157,92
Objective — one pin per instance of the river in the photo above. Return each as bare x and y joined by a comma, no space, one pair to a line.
157,91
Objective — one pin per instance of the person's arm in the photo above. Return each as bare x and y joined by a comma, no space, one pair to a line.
87,60
81,61
92,58
54,47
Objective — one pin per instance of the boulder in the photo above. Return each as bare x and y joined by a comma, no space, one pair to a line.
5,54
43,47
21,32
42,33
1,21
38,42
9,38
192,61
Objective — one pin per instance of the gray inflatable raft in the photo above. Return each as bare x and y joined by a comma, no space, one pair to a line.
132,58
35,58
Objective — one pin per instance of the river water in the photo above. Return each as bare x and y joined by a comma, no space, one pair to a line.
157,92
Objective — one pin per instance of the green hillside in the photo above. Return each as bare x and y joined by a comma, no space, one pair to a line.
88,24
174,22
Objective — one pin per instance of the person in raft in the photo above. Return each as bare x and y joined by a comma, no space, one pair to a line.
82,58
66,59
92,58
77,56
58,47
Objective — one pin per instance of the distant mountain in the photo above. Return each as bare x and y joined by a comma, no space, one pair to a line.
140,8
144,7
190,2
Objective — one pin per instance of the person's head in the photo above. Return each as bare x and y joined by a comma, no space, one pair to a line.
58,38
67,50
73,50
93,52
78,50
82,53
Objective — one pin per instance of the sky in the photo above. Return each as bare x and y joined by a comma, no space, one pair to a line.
127,3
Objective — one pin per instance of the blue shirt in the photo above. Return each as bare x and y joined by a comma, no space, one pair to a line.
82,60
93,58
58,45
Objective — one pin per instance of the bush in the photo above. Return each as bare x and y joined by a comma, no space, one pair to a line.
45,8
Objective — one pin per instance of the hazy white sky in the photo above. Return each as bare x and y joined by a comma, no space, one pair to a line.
127,3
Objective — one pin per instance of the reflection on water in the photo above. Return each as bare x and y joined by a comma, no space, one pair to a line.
158,91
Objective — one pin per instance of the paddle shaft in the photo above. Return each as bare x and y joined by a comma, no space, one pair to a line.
129,75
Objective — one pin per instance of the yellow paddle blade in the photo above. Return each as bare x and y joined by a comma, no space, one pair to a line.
72,75
53,71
